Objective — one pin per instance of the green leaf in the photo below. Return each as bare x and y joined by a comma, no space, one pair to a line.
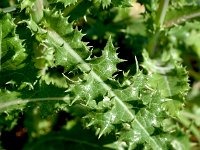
186,35
193,42
34,7
57,24
8,100
106,64
92,85
169,77
13,58
53,56
182,3
12,50
133,105
180,15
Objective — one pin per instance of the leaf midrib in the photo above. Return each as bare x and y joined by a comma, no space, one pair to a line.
167,85
8,104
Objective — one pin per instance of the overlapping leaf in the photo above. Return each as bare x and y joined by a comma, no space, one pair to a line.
183,3
136,107
187,34
179,15
12,58
167,75
53,54
12,51
17,71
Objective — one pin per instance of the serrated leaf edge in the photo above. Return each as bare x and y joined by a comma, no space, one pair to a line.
58,40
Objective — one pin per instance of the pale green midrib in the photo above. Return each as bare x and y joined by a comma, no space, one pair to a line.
58,40
163,12
5,105
167,85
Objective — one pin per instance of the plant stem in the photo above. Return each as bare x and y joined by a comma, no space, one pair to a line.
159,20
17,102
162,12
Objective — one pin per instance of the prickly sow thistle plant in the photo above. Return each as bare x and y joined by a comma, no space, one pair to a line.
49,65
